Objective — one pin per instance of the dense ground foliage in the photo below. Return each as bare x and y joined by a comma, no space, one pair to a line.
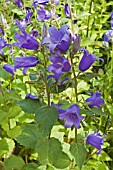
56,85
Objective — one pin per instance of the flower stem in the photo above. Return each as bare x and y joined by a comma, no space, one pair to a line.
45,78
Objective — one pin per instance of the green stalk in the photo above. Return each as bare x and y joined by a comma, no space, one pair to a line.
87,33
45,78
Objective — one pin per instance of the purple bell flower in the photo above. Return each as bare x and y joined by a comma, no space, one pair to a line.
9,68
60,66
40,2
59,39
72,116
87,61
67,11
3,44
28,17
43,15
26,41
25,62
31,96
111,15
19,3
96,140
95,99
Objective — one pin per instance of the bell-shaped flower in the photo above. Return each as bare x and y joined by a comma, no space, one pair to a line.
43,15
9,68
72,116
25,62
60,66
28,17
26,41
40,2
96,140
3,44
87,61
67,11
31,96
19,3
95,100
58,39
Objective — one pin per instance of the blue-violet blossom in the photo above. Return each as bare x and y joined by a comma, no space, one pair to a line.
40,2
60,66
67,11
43,15
59,39
31,96
87,61
26,41
25,62
72,116
3,44
19,3
95,100
95,140
9,68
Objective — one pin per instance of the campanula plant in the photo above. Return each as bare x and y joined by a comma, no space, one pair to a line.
46,112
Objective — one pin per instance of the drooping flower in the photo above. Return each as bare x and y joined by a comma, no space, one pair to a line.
95,100
9,68
26,41
72,116
87,61
67,11
19,3
96,140
28,17
76,44
3,44
43,15
25,62
58,39
44,31
31,96
60,66
40,2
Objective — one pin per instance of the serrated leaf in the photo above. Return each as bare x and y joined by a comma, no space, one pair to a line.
30,135
79,153
46,117
50,151
30,105
13,162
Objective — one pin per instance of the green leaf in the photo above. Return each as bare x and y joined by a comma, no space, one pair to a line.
50,151
87,76
93,111
30,135
14,111
4,74
30,105
12,96
3,147
13,133
42,147
79,153
58,158
13,162
3,116
30,166
46,117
